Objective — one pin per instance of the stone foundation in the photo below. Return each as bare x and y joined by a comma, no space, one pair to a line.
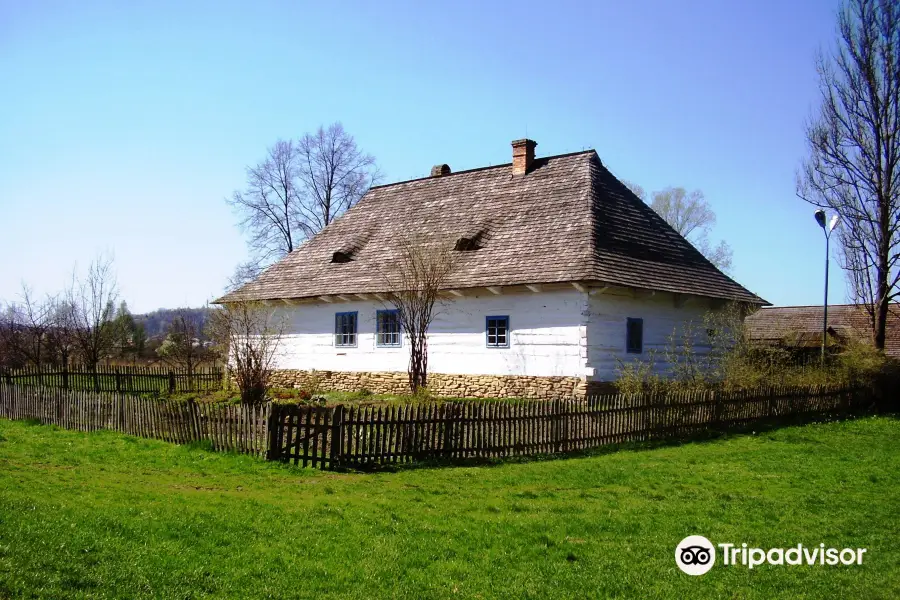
440,384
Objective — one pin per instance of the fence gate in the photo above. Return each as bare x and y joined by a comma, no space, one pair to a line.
302,434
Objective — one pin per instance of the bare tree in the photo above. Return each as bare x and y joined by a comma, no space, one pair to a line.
91,302
690,215
249,334
24,329
244,273
636,189
415,282
687,212
298,190
183,347
270,206
60,336
12,337
854,149
36,320
335,175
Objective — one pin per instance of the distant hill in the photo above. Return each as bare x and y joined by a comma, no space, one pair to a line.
156,323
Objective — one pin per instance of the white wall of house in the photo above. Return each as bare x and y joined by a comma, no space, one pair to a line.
607,318
553,333
547,336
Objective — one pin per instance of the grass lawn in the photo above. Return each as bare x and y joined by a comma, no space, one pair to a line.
107,515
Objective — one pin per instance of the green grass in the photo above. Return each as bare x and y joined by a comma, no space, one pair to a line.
110,516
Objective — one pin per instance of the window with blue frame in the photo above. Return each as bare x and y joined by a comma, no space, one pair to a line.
345,329
634,336
387,328
497,331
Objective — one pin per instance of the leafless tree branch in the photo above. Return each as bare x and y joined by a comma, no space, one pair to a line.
415,281
299,189
249,334
854,149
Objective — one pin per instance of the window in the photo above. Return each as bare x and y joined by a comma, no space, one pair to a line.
387,328
345,329
634,336
497,332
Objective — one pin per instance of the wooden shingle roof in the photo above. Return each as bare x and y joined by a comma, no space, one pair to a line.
567,220
787,324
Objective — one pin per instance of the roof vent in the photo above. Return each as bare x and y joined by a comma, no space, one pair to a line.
350,246
465,244
440,170
471,241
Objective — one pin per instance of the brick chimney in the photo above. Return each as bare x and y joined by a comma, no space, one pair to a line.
523,155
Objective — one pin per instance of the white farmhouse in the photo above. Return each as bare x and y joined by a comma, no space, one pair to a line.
561,273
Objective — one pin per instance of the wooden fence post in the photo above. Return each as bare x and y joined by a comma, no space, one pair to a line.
554,426
118,381
194,423
773,402
171,381
717,410
447,438
274,452
337,435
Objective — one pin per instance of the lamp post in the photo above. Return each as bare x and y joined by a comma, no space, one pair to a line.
827,228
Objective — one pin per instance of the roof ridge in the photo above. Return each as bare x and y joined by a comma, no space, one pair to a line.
592,216
830,305
452,173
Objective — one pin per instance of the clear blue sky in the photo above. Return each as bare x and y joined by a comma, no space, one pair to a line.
124,126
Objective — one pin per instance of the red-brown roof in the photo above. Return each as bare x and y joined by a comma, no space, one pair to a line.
780,324
567,220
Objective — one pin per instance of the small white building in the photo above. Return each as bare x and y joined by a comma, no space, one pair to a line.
562,272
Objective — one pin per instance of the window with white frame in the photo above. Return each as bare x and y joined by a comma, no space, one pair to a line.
497,331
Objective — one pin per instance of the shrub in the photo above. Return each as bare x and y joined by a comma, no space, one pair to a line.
638,376
729,360
360,395
286,394
422,394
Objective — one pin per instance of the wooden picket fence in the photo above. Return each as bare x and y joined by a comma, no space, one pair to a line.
123,379
359,437
366,436
227,427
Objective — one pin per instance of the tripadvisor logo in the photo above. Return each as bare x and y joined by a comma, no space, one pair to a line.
695,555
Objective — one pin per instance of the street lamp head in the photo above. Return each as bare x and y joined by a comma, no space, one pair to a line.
834,222
820,218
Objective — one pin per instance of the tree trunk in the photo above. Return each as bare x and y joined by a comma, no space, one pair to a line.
881,311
